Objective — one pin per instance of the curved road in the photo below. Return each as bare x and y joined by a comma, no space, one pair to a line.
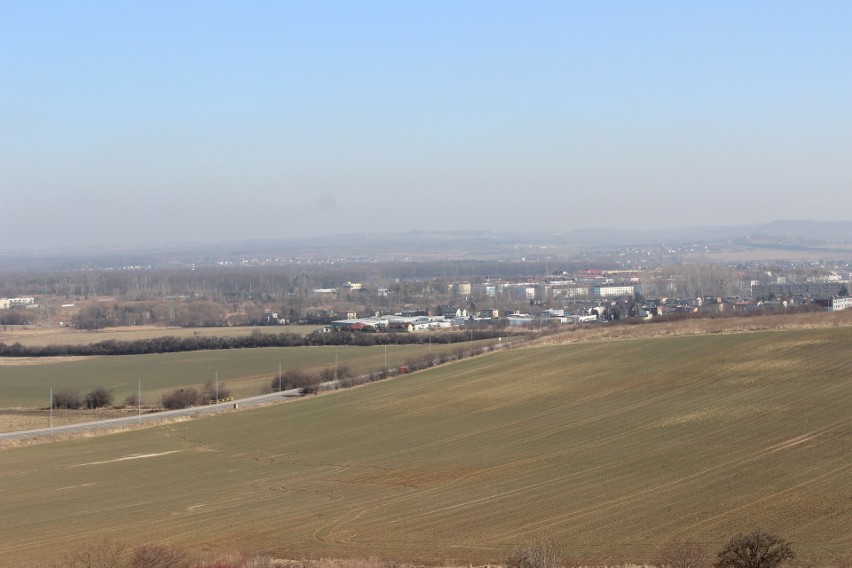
155,417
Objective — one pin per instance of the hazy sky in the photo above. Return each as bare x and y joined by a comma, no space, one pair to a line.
163,121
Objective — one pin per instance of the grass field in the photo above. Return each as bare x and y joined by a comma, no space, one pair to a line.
27,383
611,448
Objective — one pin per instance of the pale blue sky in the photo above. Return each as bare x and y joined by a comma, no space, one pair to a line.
163,121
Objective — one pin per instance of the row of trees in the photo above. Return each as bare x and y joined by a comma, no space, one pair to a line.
70,398
102,397
196,313
191,396
171,344
309,383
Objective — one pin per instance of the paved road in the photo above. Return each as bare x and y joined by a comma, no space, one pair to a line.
155,417
152,417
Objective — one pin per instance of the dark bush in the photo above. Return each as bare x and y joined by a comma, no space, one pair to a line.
757,549
181,398
100,397
67,398
213,392
292,379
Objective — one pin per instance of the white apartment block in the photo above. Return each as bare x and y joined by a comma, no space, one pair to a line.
610,291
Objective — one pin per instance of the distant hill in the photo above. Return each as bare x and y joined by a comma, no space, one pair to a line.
434,245
826,231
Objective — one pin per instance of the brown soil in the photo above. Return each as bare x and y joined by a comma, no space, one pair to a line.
699,326
15,419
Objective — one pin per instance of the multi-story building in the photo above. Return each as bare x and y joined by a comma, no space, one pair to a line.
792,289
610,291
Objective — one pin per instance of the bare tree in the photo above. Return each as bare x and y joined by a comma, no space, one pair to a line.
99,397
683,554
181,398
67,398
132,400
214,391
757,549
542,553
158,556
100,554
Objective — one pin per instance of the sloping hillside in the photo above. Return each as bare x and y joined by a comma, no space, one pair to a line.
611,448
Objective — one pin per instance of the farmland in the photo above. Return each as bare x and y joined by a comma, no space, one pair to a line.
609,447
26,383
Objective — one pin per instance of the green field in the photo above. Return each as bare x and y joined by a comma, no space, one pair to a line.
610,448
243,371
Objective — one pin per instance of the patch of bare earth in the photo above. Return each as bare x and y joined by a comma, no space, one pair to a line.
700,326
16,419
21,361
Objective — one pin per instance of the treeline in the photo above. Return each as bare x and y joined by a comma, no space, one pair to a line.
171,344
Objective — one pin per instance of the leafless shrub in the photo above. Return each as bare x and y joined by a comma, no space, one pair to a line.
158,556
181,398
67,398
371,562
100,554
238,560
131,400
683,554
214,390
99,397
542,553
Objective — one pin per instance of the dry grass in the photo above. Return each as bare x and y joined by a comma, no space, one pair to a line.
14,419
25,361
610,449
700,326
40,336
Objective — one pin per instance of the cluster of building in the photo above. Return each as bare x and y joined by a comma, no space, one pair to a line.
396,322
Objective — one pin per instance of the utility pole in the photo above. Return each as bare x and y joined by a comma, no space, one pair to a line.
50,420
139,404
386,358
217,387
279,376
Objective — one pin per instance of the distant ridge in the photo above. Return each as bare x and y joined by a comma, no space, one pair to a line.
468,244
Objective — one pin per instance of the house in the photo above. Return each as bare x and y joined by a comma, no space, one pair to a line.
450,312
271,318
